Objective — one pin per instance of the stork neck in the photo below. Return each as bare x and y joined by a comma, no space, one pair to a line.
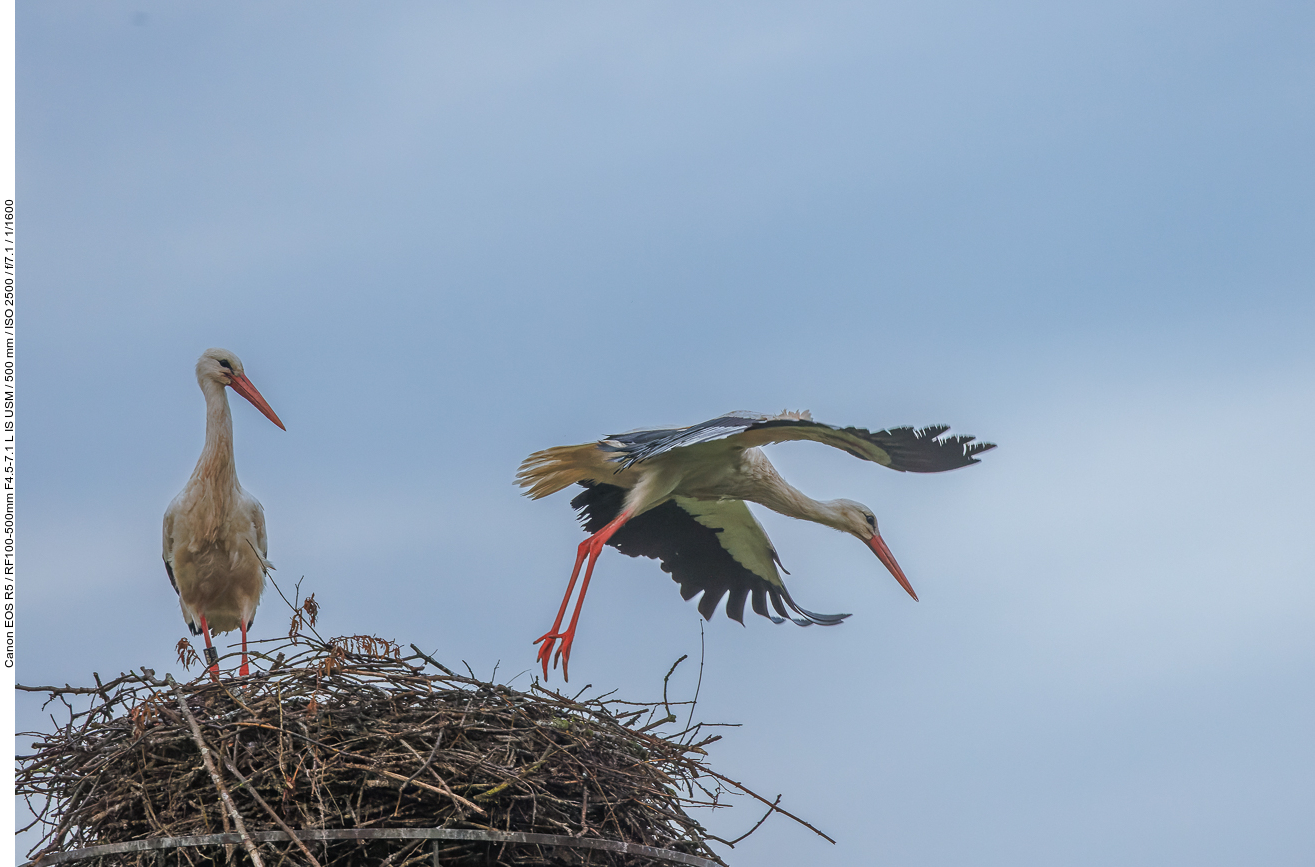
780,496
215,468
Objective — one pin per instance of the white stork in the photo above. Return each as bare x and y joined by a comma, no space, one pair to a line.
678,495
214,532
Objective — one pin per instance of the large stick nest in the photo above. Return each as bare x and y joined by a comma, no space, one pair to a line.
351,733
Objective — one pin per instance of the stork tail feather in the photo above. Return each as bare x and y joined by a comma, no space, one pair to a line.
551,470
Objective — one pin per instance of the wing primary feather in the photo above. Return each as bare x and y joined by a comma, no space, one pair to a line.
907,449
923,451
735,603
708,604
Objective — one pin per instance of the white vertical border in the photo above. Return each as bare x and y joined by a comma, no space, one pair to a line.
8,854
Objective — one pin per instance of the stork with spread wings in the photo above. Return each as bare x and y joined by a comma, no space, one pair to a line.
678,495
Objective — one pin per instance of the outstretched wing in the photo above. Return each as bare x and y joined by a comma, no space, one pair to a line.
903,448
710,547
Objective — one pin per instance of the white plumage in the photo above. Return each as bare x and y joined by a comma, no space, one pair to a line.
214,531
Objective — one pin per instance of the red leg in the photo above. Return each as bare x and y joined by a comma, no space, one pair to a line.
581,553
550,637
209,649
568,638
591,548
244,670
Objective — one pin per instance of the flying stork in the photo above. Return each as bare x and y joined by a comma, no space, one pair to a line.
678,495
214,531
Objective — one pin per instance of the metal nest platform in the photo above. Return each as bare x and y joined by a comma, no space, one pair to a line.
439,836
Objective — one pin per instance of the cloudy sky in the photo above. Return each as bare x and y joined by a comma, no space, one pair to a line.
443,235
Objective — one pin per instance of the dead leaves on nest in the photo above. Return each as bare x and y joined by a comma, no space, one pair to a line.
145,714
303,615
186,655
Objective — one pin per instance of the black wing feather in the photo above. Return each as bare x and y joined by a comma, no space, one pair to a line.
692,555
911,450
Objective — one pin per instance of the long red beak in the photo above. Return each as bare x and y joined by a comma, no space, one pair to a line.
879,548
243,386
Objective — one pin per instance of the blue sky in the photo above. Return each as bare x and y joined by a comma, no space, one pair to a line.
442,236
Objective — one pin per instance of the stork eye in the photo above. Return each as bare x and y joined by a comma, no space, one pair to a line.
872,521
223,362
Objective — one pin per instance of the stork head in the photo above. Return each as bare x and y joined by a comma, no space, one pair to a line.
224,368
858,520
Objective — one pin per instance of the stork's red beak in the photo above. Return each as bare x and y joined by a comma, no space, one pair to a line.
879,548
243,386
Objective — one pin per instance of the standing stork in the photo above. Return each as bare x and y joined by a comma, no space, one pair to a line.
678,495
214,532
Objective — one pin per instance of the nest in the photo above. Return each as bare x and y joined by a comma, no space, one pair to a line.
352,733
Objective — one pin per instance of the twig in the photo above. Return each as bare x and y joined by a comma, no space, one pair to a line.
285,598
671,717
437,741
402,853
670,672
751,793
214,775
769,812
275,816
699,686
445,788
429,659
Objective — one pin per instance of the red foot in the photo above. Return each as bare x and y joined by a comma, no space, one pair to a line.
591,548
546,651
